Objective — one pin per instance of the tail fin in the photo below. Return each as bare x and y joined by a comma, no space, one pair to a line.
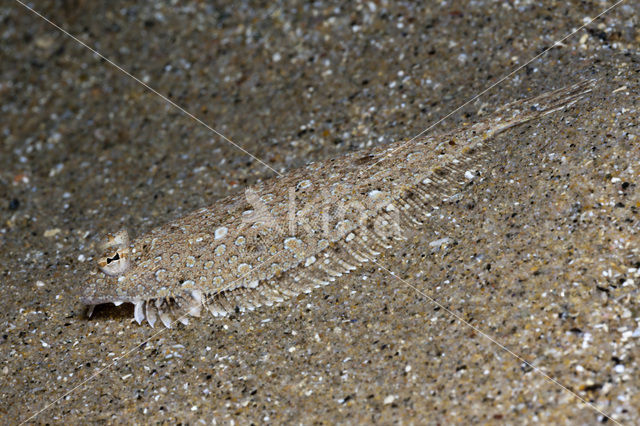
539,106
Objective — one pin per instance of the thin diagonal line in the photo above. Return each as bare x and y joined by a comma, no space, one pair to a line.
557,43
500,345
93,376
151,89
130,351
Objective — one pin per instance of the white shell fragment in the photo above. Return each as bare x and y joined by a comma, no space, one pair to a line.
440,242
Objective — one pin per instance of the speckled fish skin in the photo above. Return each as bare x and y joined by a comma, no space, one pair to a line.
237,255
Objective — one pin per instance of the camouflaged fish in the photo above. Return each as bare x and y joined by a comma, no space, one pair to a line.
304,229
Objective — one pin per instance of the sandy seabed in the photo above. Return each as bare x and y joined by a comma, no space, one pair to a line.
543,254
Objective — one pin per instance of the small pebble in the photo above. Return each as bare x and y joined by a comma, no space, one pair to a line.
438,243
52,232
14,204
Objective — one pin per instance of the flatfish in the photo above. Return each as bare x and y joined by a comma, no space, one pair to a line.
304,229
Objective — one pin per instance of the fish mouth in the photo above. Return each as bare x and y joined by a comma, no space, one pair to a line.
93,301
93,293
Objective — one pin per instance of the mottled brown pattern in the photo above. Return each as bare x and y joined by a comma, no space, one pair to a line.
304,229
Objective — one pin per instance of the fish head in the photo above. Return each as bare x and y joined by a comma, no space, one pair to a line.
104,284
123,273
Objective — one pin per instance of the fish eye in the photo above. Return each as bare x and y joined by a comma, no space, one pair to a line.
116,263
115,248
